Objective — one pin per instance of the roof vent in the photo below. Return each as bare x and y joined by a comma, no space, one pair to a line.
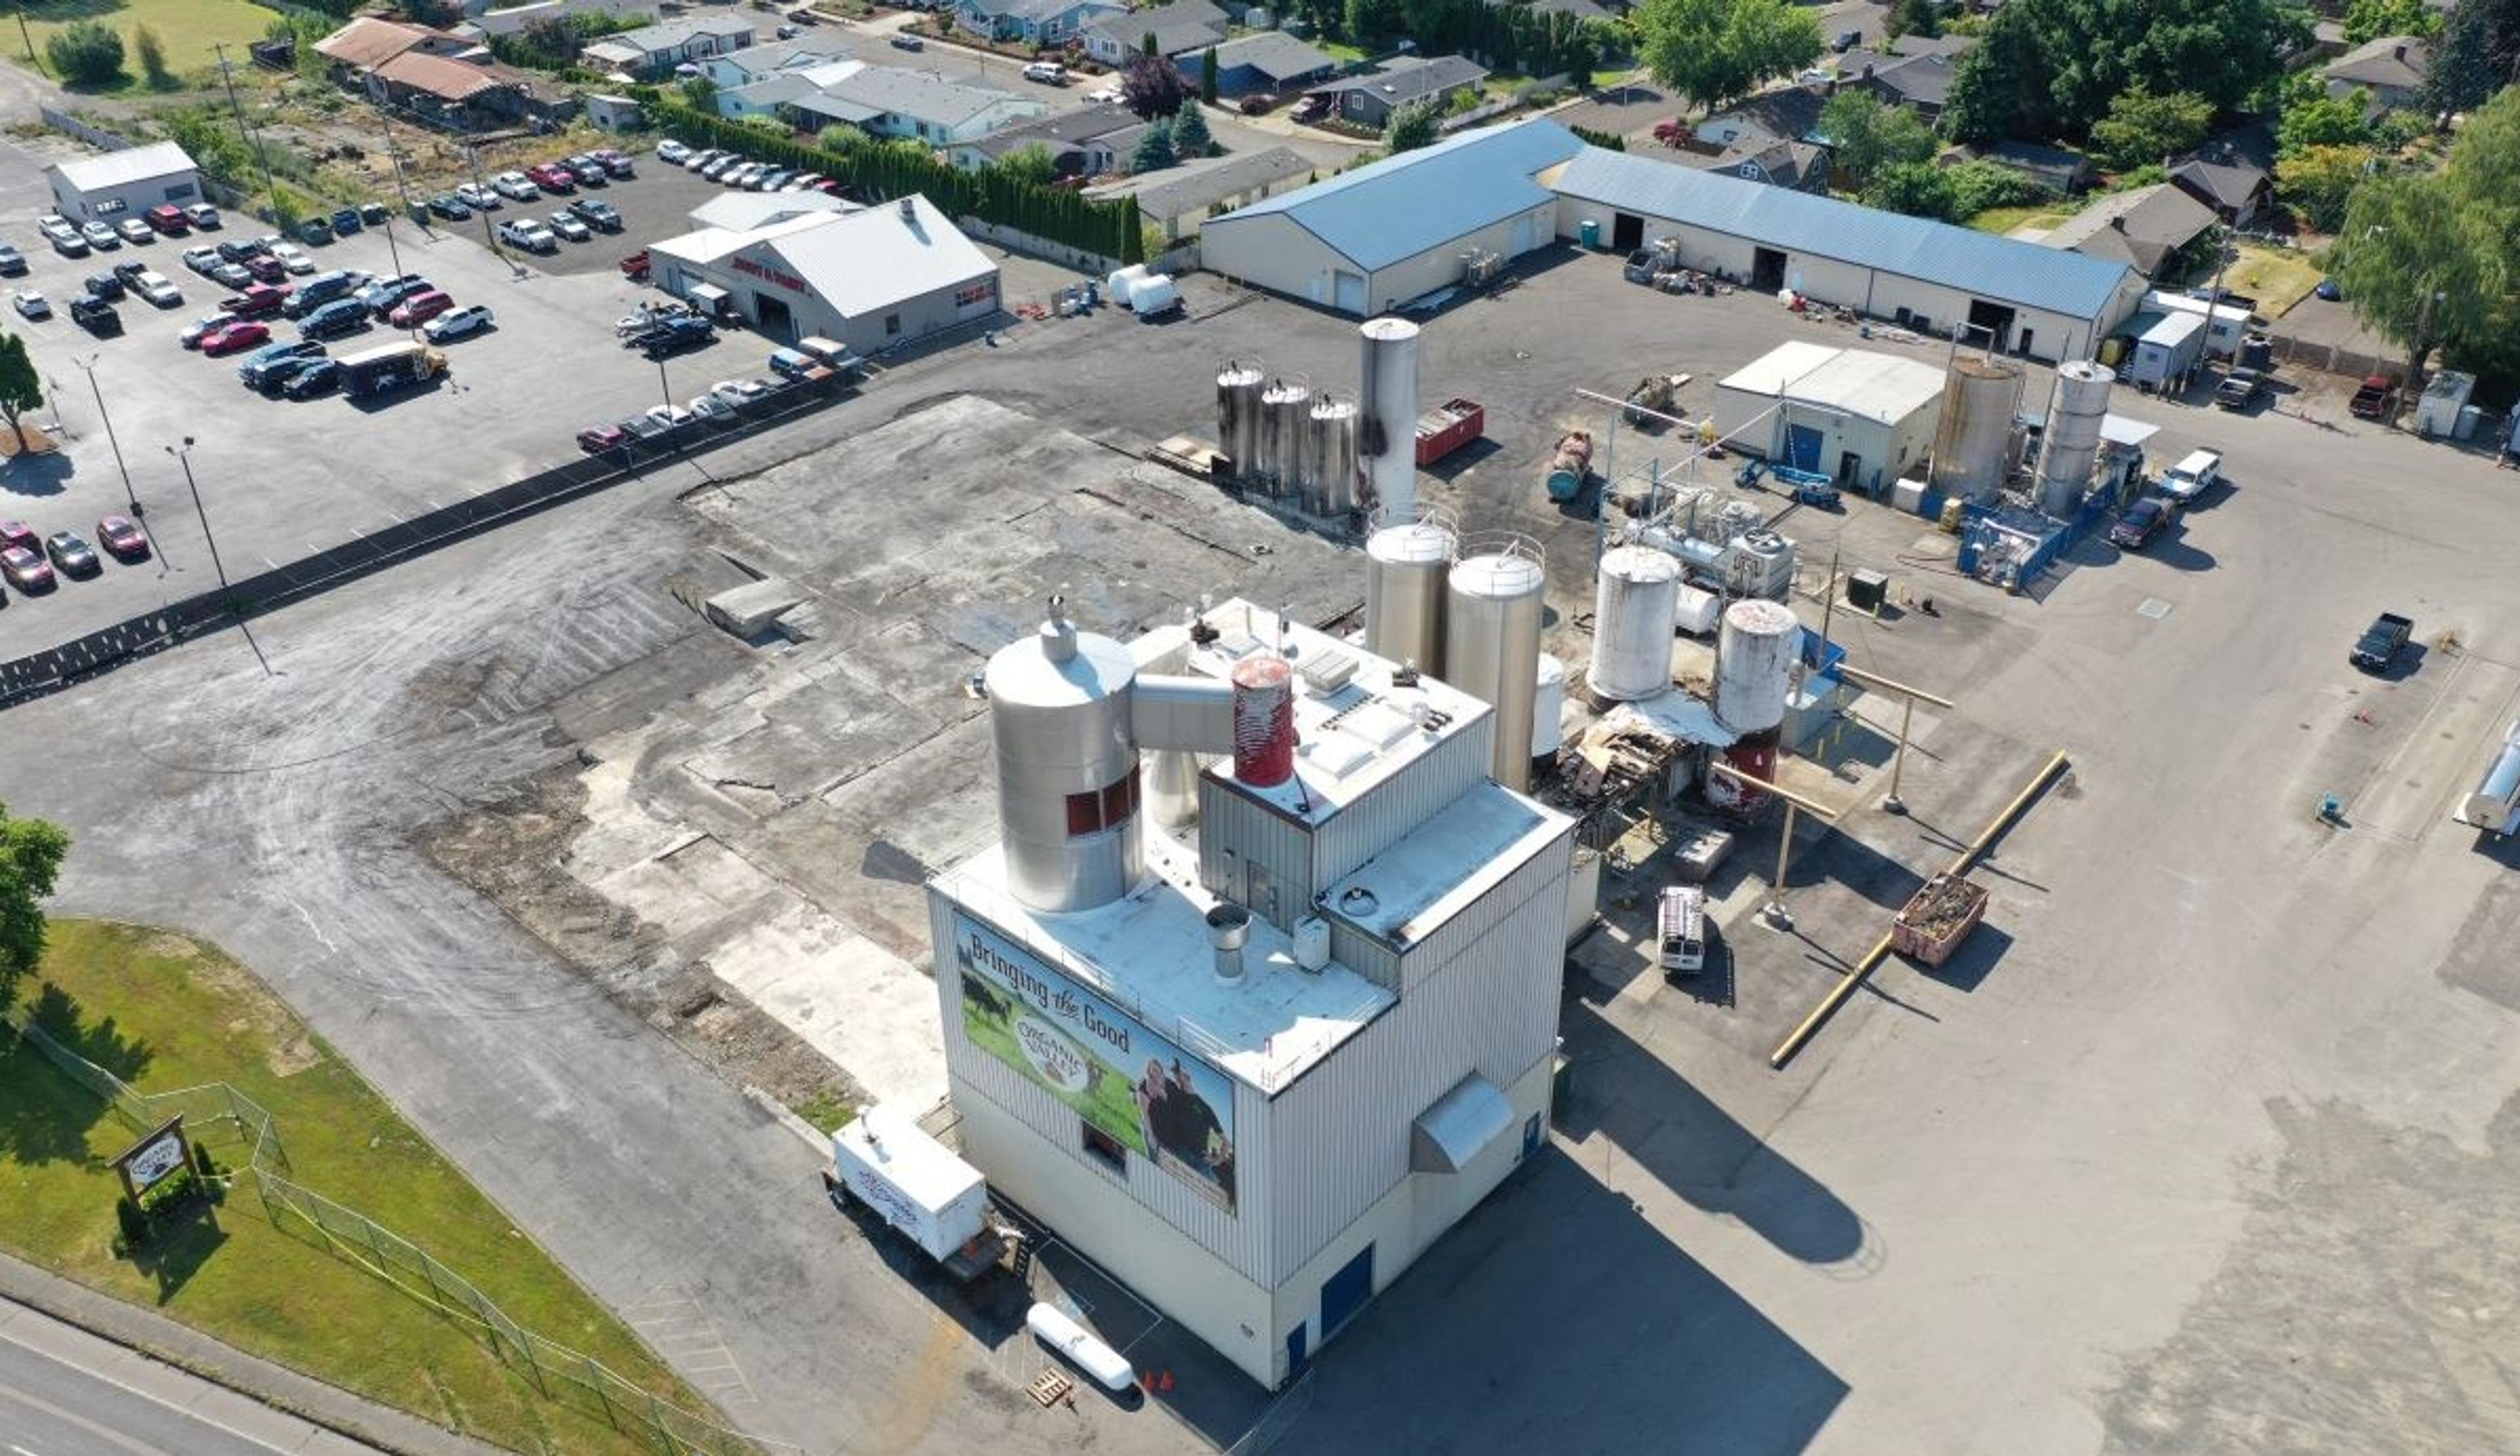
909,210
1227,927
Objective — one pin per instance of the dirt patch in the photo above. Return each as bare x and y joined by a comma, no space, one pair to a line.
510,850
289,1049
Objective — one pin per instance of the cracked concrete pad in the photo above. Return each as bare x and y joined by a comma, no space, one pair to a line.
849,998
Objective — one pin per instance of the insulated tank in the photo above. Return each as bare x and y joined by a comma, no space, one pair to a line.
1547,711
1754,664
1492,619
1387,414
1238,417
1067,771
1632,606
1285,419
1331,446
1404,592
1973,440
2497,795
2073,439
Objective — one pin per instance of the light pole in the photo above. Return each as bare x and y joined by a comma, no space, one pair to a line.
130,494
184,457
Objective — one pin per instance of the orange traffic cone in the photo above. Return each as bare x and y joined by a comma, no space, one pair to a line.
1166,1384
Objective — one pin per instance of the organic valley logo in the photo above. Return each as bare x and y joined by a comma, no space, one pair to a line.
1059,1060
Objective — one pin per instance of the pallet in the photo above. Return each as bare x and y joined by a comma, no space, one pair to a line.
1049,1388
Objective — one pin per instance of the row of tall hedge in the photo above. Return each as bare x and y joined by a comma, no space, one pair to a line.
886,170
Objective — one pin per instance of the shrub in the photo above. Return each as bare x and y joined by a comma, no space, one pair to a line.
134,1224
85,53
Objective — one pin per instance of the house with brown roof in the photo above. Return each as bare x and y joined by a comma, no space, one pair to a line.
436,77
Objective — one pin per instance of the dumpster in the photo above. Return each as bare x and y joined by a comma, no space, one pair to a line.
1937,918
1441,431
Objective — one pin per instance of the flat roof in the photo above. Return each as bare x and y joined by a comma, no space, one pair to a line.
1884,388
1350,739
2172,328
1405,893
1772,371
125,167
1148,954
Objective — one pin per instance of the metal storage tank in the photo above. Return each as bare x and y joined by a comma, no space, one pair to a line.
1632,606
1238,416
1972,441
2073,440
1387,414
1067,771
1404,592
2498,794
1330,464
1754,664
1492,617
1285,419
1547,711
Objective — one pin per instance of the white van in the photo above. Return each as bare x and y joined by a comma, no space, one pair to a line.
1680,930
2191,478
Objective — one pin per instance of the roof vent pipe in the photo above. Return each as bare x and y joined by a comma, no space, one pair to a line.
1057,634
1227,927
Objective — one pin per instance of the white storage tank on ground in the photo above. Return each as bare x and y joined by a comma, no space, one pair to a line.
1754,663
1547,711
1492,620
2073,436
1238,417
1118,287
1387,414
1973,439
1329,445
1405,565
1058,710
1633,607
2497,795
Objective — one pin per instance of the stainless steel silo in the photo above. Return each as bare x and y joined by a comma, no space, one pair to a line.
1972,440
1067,771
1330,474
1387,414
1492,621
1286,421
1238,416
2073,436
1405,563
1632,607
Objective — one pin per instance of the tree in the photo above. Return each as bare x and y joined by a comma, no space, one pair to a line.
152,53
1191,136
2047,68
2313,118
21,389
1207,76
1865,136
1715,51
1410,127
85,53
1032,164
1919,188
1367,21
1152,87
30,859
1914,18
2141,127
2478,50
2369,19
2318,181
1155,148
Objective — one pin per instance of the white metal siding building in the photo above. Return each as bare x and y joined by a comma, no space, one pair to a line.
123,184
1860,418
872,279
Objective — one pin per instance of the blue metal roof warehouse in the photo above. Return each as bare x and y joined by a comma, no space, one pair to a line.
1404,205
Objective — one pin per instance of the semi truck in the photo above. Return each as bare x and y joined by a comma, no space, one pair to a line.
388,367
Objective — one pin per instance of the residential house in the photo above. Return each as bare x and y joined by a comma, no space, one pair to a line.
2061,171
1271,62
758,63
366,43
1370,100
770,95
1788,113
2143,227
1087,143
2391,69
514,18
1921,83
654,51
1801,166
1179,28
1178,201
2233,173
1582,10
442,79
917,104
1041,22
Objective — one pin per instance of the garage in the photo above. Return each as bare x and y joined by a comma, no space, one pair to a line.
123,184
1861,418
874,280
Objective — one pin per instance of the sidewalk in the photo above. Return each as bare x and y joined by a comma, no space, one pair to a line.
162,1338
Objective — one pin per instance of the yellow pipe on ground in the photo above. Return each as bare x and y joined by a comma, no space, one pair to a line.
1873,959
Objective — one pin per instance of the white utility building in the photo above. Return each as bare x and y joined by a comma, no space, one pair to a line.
1860,418
1257,1055
124,184
873,279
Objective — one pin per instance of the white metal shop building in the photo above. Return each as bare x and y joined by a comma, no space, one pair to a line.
1258,995
1858,416
872,279
123,184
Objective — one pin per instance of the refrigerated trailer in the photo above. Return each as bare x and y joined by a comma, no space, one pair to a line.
917,1184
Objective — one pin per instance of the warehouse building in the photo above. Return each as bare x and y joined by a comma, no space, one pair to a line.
2043,302
123,184
1256,1056
1369,240
1860,418
874,280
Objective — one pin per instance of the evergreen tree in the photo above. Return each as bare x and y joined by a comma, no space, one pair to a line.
1207,75
1155,148
1191,136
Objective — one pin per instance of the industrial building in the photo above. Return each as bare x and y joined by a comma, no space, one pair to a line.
123,184
872,280
2043,302
1857,417
1368,241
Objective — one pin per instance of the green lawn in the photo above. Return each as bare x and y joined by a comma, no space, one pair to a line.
186,29
2276,278
167,1012
2002,220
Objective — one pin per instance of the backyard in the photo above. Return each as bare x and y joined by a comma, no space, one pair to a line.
2002,221
189,29
165,1012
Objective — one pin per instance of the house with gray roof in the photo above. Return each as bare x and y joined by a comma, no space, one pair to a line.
1788,113
2391,69
754,62
1269,61
654,51
1800,165
1370,100
1038,22
2143,227
1921,83
919,106
1085,143
1178,202
1181,28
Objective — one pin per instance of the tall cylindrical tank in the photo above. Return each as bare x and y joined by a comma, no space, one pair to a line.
1285,419
1264,719
1754,664
1387,414
1972,441
2073,437
1632,606
1492,619
1404,592
1067,773
1548,710
1238,417
1329,473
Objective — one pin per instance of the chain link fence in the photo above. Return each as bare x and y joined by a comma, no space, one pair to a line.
219,1114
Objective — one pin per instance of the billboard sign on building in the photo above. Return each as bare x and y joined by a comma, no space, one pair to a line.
1137,1088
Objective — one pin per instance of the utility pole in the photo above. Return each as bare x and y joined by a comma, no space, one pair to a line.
252,137
184,457
27,35
130,496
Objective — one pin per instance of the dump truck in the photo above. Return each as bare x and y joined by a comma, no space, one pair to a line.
387,367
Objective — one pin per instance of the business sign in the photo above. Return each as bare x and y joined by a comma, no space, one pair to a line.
1138,1088
776,277
153,1159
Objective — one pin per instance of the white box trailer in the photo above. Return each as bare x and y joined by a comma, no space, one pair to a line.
911,1181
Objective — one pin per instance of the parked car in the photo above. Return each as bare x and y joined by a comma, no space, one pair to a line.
2187,481
516,187
670,151
550,176
229,274
2143,520
2239,389
100,236
122,536
2382,641
1257,104
380,297
320,377
17,534
71,554
588,171
31,304
133,230
66,239
1846,41
448,205
713,409
13,263
335,319
105,286
597,214
1105,96
207,324
1047,72
638,267
420,308
618,163
201,259
599,438
159,290
1311,108
265,268
739,391
2377,399
671,417
293,258
203,216
568,225
460,323
259,301
235,337
479,199
241,249
672,335
26,570
168,219
345,221
2328,291
251,370
719,165
530,235
902,42
94,315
